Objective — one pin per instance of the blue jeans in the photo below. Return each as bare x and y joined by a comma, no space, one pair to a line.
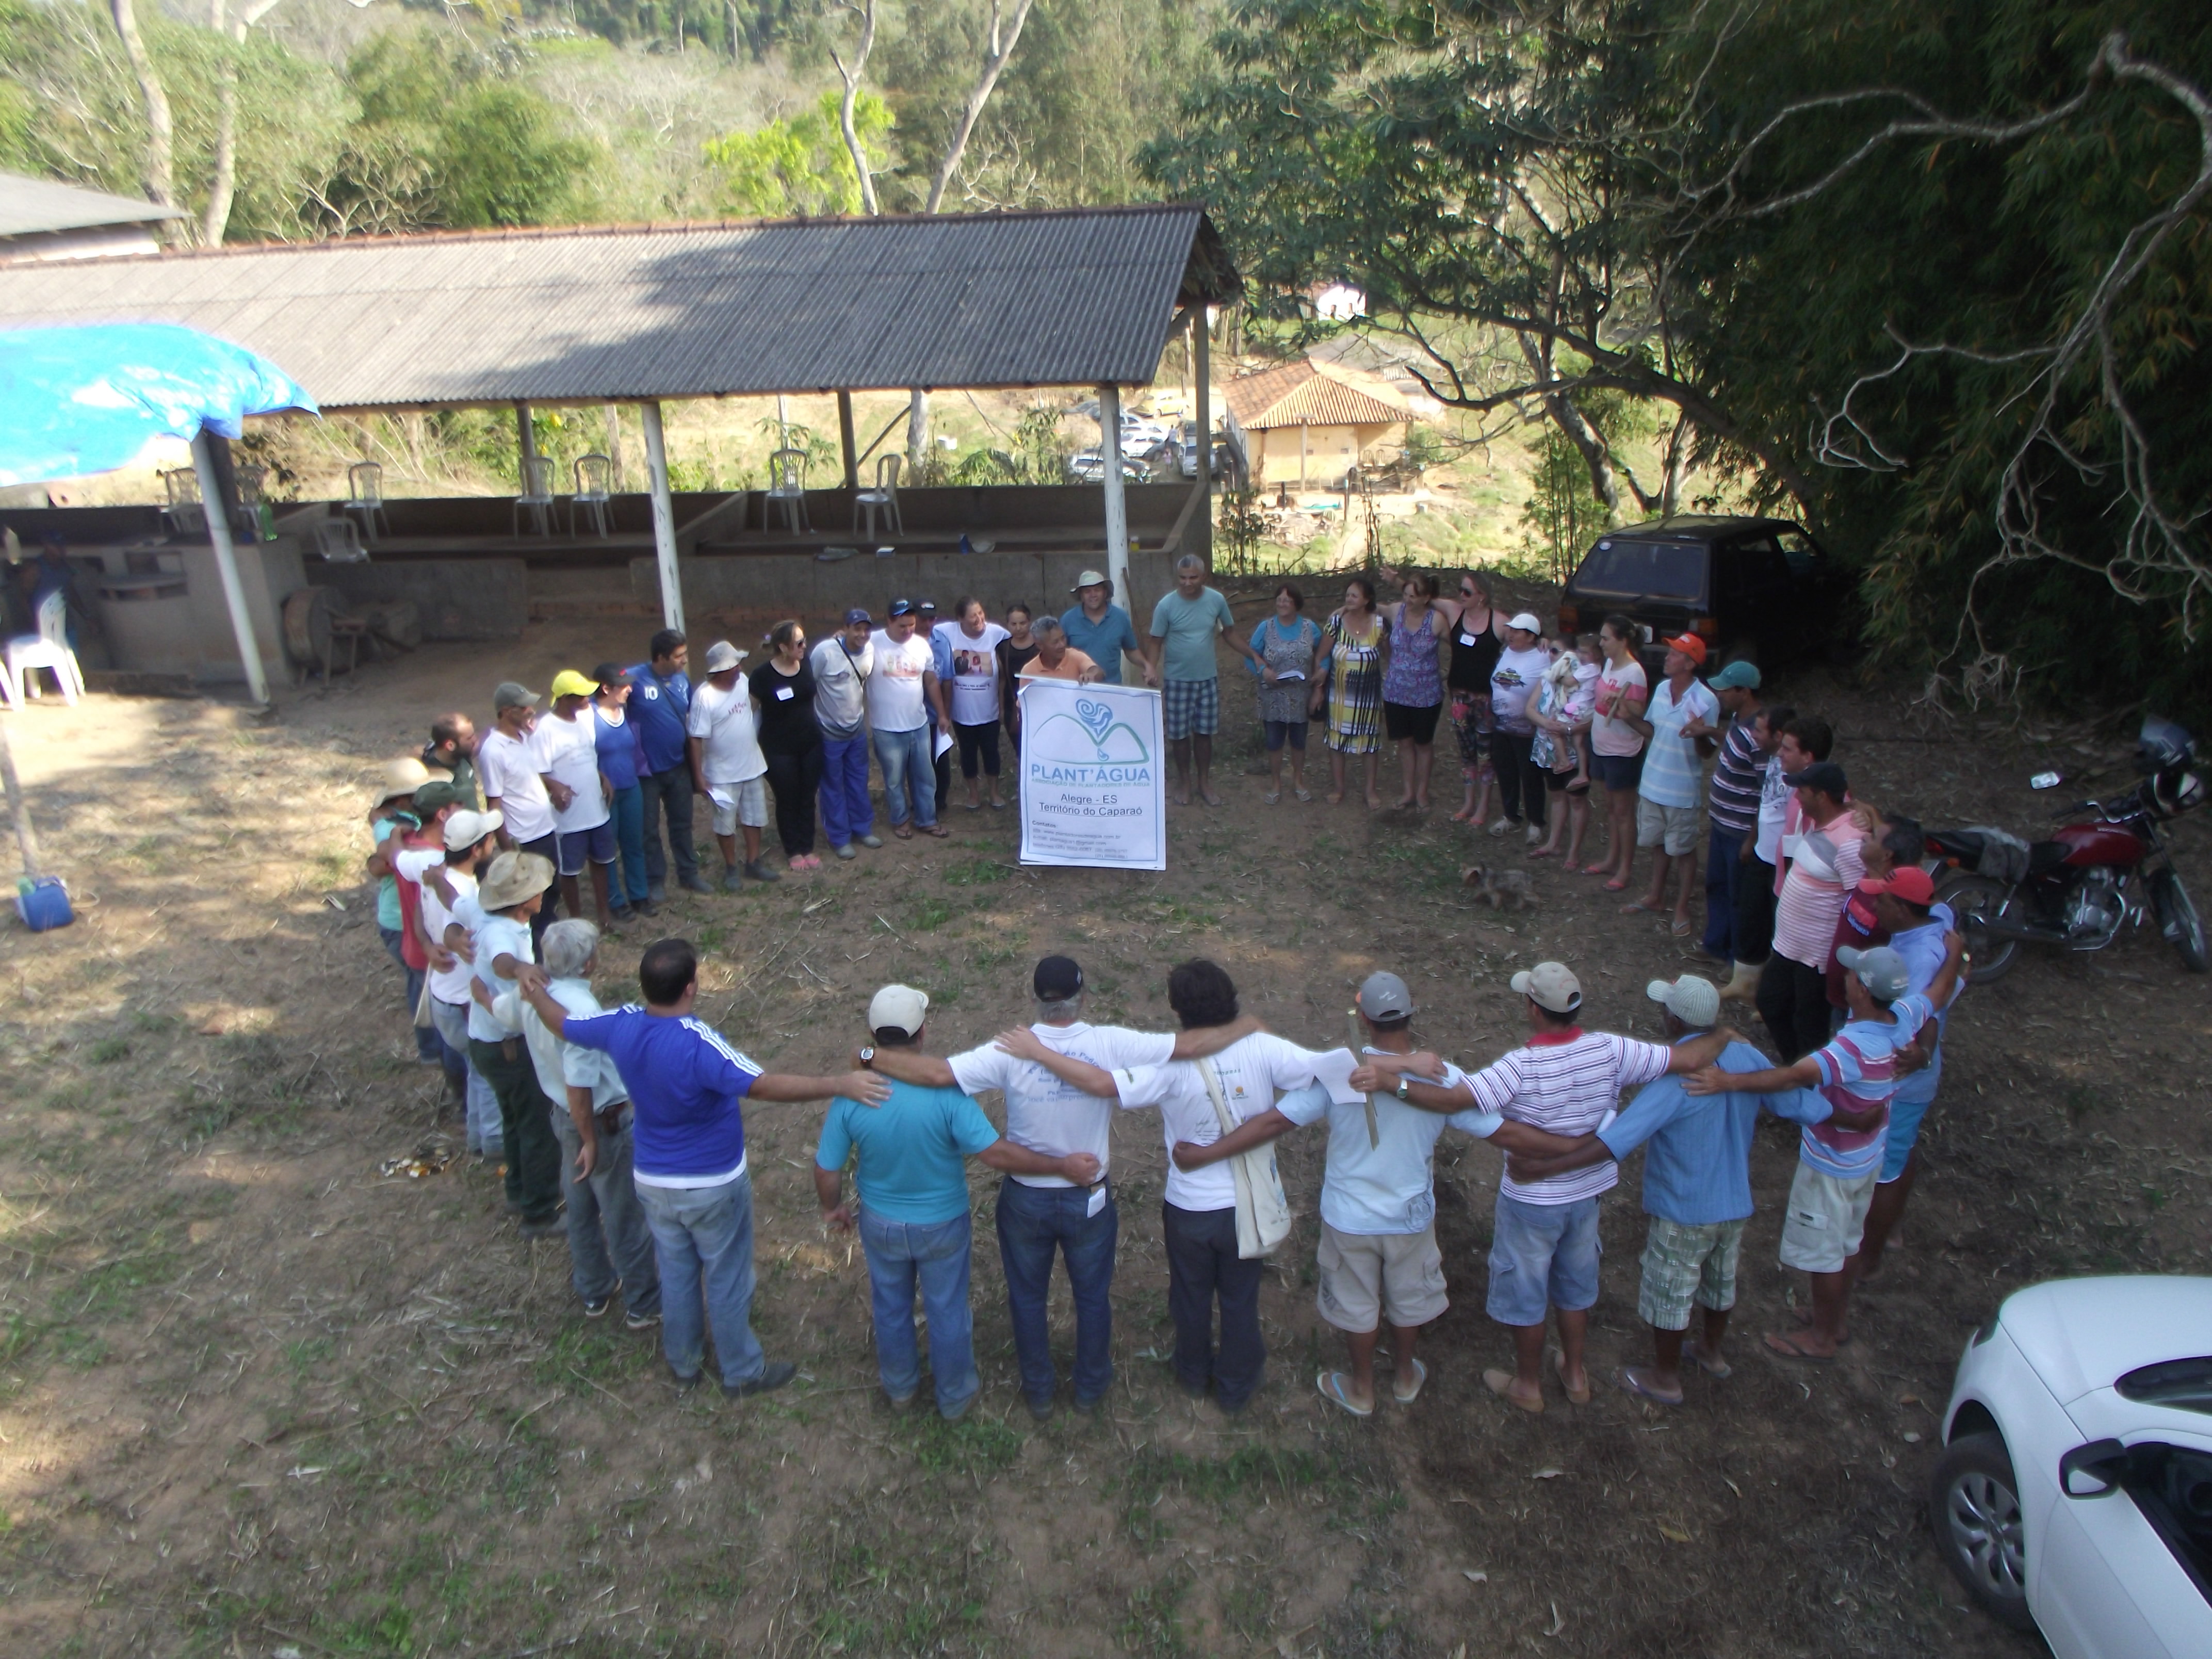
704,1238
900,1255
485,1135
608,1243
627,878
904,757
1722,871
427,1046
1034,1221
846,813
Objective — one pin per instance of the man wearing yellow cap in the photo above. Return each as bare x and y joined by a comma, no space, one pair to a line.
568,761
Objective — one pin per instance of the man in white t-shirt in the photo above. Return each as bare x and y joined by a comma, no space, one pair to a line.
1040,1215
843,665
569,765
1378,1255
497,916
1198,1211
1673,783
471,839
901,692
728,765
1544,1241
514,785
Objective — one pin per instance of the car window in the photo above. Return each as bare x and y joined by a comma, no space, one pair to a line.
1759,565
2172,1486
1798,548
1651,570
2183,1385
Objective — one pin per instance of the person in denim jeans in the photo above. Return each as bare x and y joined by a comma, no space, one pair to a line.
1042,1214
686,1088
903,698
610,1246
914,1222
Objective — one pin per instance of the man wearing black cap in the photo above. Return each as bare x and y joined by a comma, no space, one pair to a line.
1821,841
903,694
1040,1214
841,665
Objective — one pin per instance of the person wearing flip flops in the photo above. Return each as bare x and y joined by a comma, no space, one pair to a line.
1680,711
1839,1161
1544,1240
1697,1189
1379,1258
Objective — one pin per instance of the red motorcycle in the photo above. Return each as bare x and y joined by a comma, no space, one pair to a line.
2078,890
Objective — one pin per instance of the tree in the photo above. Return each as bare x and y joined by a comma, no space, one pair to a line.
161,125
802,166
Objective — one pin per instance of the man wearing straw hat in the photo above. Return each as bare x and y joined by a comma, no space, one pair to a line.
498,918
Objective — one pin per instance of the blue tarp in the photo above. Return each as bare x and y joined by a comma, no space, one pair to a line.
79,400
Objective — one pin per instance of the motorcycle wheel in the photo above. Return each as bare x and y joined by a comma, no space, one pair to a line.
2177,919
1977,901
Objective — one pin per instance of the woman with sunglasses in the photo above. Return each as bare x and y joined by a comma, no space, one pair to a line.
1476,630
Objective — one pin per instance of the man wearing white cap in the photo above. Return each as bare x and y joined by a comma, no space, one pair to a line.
1697,1188
472,840
1514,680
1544,1242
1378,1256
1099,628
910,1158
1839,1160
727,763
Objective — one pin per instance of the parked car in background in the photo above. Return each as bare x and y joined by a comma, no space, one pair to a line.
1755,588
2075,1491
1090,467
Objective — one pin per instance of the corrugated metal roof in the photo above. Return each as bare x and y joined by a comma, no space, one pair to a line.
615,314
1309,394
30,207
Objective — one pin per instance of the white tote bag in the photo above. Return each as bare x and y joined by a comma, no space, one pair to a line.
1263,1215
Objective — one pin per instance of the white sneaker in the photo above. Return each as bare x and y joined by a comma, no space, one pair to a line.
1536,836
1504,826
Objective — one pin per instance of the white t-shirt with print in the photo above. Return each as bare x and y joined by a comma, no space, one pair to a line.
506,771
1513,685
1046,1114
568,752
728,732
896,698
1250,1071
974,673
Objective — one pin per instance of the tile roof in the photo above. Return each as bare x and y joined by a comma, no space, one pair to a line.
1311,393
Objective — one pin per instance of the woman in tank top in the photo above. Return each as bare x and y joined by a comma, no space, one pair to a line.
1412,687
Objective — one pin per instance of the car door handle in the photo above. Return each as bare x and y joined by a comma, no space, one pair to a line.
2101,1461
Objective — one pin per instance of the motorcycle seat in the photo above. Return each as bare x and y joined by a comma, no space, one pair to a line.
2046,855
1963,845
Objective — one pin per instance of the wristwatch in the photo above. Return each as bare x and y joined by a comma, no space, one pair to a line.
1404,1084
868,1058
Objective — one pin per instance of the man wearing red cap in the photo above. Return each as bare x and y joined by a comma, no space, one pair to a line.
1905,908
1674,776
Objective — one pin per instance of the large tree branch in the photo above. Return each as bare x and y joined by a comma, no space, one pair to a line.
1004,37
851,76
160,125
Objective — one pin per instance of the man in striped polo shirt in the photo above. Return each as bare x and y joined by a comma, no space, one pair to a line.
1731,800
1838,1162
1544,1244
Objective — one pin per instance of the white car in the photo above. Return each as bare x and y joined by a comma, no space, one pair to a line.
2075,1490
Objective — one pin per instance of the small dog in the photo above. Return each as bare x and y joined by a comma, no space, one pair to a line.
1499,887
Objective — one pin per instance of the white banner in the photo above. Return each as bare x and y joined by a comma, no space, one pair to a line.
1093,788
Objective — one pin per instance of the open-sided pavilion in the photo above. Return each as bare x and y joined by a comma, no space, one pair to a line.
640,315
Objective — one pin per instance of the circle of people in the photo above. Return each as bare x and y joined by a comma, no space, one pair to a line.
623,1130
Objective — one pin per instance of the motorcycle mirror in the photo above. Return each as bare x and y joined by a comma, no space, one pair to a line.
2046,780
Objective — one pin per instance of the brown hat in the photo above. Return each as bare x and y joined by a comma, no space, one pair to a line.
403,776
512,877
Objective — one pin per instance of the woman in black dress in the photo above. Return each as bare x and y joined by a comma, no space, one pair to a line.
790,740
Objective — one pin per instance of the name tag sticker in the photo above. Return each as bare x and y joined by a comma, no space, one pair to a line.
1098,1200
1466,639
783,694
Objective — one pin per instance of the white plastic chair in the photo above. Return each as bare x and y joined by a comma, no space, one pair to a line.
537,496
787,488
365,498
49,649
339,541
882,499
594,481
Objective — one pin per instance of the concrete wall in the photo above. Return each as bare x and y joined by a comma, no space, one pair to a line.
152,628
459,598
1329,451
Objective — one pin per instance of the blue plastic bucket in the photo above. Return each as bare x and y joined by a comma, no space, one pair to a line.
43,904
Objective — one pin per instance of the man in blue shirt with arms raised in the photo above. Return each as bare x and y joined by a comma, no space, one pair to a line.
914,1218
685,1085
1697,1188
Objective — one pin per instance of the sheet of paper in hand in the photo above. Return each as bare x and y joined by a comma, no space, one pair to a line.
1093,788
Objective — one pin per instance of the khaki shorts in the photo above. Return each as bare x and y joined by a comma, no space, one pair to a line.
1825,1218
1365,1275
1673,829
750,809
1685,1264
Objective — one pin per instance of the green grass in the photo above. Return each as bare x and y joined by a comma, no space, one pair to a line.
930,915
975,872
108,1050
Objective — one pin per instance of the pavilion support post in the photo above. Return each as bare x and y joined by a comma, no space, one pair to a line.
526,438
1202,360
226,563
664,517
845,437
1117,505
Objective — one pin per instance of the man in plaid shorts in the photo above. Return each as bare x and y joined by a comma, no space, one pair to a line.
1184,623
1697,1189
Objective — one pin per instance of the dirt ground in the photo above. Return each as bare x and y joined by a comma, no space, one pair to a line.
257,1399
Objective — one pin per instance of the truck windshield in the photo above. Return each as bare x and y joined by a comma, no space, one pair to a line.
1656,570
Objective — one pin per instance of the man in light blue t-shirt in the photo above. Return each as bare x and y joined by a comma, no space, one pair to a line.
1184,623
1100,629
1378,1255
914,1218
